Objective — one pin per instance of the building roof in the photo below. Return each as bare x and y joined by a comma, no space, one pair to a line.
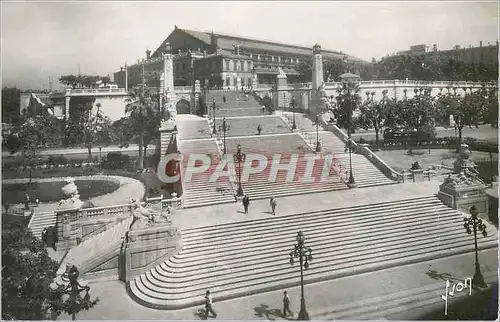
228,42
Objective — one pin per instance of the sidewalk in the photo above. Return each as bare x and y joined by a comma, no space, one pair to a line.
233,212
321,298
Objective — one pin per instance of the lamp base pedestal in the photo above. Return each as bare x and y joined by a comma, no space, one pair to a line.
478,279
303,315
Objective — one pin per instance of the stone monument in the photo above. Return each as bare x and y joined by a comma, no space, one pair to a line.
463,189
167,85
317,67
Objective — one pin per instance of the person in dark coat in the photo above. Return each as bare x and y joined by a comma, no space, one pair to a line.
208,304
259,129
272,203
286,305
224,98
27,201
246,202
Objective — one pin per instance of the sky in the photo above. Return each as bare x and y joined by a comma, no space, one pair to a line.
42,39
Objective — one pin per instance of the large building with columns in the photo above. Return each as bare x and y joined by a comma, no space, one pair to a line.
217,59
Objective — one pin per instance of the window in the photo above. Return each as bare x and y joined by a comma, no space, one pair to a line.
242,65
228,80
183,66
249,65
238,67
213,64
235,81
227,64
249,82
242,82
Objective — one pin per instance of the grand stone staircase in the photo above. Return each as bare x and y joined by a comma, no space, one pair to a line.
243,258
244,126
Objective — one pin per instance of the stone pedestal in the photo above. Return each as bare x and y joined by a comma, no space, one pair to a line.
68,228
460,192
417,174
147,247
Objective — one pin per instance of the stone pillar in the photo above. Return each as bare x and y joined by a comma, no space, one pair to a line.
317,68
168,82
238,83
195,97
66,117
281,87
304,101
254,81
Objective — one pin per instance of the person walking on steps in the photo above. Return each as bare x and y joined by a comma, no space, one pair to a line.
272,203
286,305
259,129
246,202
208,304
224,98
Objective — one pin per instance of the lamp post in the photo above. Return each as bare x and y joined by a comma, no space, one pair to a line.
224,128
213,109
304,255
317,122
292,104
491,167
73,289
239,157
477,225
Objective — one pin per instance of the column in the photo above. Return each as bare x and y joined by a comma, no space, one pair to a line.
67,108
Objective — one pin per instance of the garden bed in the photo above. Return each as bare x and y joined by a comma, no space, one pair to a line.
51,191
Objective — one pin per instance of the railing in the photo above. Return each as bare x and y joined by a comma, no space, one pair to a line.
172,203
395,82
183,88
70,91
125,209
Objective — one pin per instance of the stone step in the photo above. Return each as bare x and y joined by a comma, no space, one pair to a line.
41,221
244,258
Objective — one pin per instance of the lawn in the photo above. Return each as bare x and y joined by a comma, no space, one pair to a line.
399,160
51,191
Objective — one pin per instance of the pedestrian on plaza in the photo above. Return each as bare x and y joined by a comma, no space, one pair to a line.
27,201
246,97
286,305
208,304
272,203
246,202
259,129
224,98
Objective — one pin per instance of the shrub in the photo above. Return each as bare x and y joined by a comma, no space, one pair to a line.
116,160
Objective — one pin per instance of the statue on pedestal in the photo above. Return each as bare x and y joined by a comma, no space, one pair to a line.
147,217
70,191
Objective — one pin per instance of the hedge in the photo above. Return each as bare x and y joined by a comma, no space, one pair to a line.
438,143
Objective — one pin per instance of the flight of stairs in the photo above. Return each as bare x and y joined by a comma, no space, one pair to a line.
259,185
41,221
243,258
83,254
243,126
200,191
192,128
365,173
236,104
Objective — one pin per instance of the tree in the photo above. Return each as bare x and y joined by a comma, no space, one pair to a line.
28,272
37,131
97,130
333,68
11,100
140,106
348,100
373,113
464,108
304,68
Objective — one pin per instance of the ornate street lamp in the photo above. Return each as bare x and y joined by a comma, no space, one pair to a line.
213,109
346,79
317,123
304,255
293,104
477,225
224,128
73,289
239,157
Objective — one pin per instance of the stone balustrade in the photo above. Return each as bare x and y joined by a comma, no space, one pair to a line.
183,88
95,91
116,210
